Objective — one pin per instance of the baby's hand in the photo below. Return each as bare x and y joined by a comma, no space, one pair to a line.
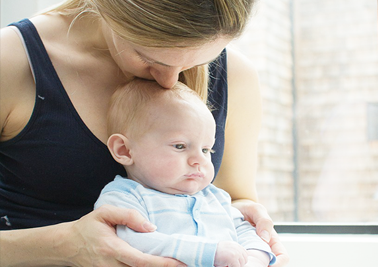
257,258
230,254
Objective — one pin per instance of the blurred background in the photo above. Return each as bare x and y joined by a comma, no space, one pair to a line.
318,150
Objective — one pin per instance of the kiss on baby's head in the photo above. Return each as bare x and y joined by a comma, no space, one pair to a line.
129,104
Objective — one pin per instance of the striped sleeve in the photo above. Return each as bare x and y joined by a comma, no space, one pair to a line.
191,250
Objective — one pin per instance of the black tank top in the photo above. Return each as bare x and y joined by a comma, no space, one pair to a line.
54,170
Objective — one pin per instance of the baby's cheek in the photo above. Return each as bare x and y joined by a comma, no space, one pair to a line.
169,170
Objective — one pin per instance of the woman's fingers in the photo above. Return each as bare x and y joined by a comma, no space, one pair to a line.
131,218
279,250
96,243
258,216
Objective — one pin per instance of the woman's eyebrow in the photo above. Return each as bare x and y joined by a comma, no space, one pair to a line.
166,65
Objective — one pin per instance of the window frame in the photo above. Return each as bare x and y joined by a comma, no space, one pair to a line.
327,228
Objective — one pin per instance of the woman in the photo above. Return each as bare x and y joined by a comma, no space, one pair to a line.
53,105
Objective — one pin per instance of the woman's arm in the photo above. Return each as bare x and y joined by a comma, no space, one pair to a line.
17,87
239,164
238,170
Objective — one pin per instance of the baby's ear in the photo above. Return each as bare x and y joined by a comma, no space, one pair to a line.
118,147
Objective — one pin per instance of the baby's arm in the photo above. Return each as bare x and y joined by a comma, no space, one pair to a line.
189,249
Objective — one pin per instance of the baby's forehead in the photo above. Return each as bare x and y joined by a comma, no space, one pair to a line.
182,97
178,100
193,105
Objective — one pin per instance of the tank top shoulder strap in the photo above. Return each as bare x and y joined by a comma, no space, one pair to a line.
218,88
39,60
48,83
217,97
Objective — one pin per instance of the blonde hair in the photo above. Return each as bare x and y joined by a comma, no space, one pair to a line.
128,109
169,23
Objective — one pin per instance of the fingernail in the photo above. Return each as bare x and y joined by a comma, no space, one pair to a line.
265,236
149,226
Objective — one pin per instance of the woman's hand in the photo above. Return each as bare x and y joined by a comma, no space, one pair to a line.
257,215
92,240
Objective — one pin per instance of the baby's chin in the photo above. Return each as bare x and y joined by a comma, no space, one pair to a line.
180,192
184,191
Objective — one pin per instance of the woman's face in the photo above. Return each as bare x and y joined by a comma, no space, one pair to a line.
161,64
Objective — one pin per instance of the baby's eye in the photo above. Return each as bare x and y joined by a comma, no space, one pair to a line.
179,146
207,150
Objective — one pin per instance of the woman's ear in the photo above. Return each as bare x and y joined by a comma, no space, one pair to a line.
118,146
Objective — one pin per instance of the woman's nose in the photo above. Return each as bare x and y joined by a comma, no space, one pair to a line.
167,77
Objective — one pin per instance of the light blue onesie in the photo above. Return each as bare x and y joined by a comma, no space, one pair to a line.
188,226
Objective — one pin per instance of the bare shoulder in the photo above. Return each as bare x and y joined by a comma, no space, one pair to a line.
240,69
16,83
13,57
243,85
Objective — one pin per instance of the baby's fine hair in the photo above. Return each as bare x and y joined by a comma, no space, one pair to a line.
128,108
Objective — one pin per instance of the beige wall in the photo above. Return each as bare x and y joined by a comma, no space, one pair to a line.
337,76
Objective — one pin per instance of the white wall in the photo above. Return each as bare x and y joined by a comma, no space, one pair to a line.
15,10
314,250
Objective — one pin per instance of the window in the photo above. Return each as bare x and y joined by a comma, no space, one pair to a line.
318,68
372,122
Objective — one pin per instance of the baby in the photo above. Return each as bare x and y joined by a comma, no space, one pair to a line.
164,139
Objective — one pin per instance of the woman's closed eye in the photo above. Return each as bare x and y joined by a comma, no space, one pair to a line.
145,60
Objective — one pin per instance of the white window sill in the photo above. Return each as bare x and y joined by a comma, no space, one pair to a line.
321,250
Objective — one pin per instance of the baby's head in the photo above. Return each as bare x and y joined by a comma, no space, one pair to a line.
163,137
